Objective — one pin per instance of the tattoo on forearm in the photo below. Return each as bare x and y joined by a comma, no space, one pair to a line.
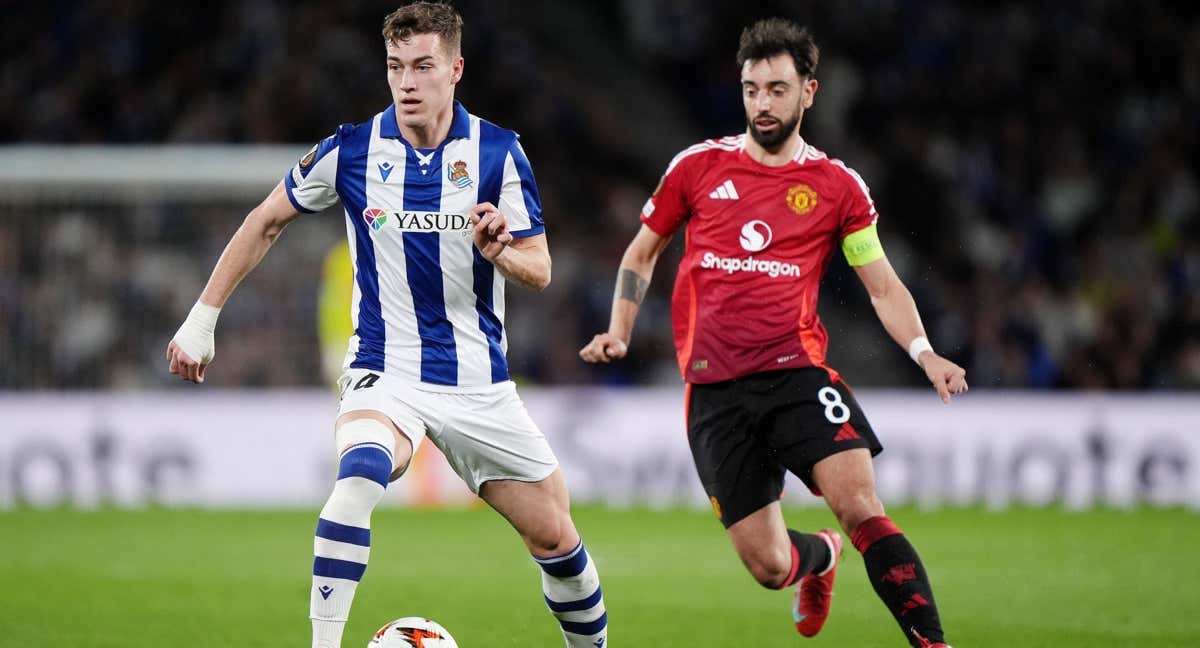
631,286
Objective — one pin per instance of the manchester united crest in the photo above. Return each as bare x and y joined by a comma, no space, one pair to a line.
802,199
456,172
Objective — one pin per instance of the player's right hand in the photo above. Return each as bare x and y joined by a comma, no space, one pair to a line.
604,348
193,346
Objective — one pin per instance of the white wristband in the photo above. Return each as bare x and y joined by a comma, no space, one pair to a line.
196,336
917,347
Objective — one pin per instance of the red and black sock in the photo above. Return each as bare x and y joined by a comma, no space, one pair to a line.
809,554
899,578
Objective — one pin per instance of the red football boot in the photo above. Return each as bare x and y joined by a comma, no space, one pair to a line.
922,642
814,592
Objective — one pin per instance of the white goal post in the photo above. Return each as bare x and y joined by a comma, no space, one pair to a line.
136,172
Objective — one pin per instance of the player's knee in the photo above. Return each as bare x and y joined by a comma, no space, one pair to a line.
769,576
551,536
767,569
371,464
548,540
856,509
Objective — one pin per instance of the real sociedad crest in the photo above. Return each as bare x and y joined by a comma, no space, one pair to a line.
457,173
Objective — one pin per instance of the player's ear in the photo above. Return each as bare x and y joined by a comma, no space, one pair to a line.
808,92
456,70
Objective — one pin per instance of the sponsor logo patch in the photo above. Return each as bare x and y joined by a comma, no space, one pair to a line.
414,221
374,218
756,236
731,265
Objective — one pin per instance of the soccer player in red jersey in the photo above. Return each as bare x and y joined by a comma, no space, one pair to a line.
763,213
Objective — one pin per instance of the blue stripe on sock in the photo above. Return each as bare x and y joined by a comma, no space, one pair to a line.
575,606
333,568
570,554
565,567
343,533
587,628
367,461
368,444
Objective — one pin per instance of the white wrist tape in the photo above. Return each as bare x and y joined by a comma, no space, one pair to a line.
917,347
195,336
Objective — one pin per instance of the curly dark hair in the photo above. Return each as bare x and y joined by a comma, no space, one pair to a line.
425,18
774,36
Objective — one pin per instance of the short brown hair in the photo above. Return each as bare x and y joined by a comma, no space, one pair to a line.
425,18
775,36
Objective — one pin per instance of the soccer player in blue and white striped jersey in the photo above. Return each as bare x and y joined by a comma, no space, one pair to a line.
441,210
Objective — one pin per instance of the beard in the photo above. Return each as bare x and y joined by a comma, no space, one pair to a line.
776,138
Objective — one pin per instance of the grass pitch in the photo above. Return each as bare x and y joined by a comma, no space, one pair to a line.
189,578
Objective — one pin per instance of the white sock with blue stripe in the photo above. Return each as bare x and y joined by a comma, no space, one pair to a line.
343,539
572,588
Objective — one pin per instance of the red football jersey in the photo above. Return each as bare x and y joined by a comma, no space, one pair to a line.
758,240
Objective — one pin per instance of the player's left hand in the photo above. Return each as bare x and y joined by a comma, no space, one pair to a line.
947,377
490,233
604,347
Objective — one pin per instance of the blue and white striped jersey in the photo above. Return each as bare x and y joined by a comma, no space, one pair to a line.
427,306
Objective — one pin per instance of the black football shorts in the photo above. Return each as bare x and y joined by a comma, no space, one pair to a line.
744,433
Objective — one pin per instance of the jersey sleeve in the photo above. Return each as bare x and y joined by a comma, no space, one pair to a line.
312,184
667,207
519,199
857,232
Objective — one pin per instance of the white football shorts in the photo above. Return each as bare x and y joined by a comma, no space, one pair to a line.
484,434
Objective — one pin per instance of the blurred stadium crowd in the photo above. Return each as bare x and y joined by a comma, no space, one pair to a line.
1036,167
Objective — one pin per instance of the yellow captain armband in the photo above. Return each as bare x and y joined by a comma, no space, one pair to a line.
863,246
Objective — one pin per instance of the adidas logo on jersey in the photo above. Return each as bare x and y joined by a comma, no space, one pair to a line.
846,433
725,192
